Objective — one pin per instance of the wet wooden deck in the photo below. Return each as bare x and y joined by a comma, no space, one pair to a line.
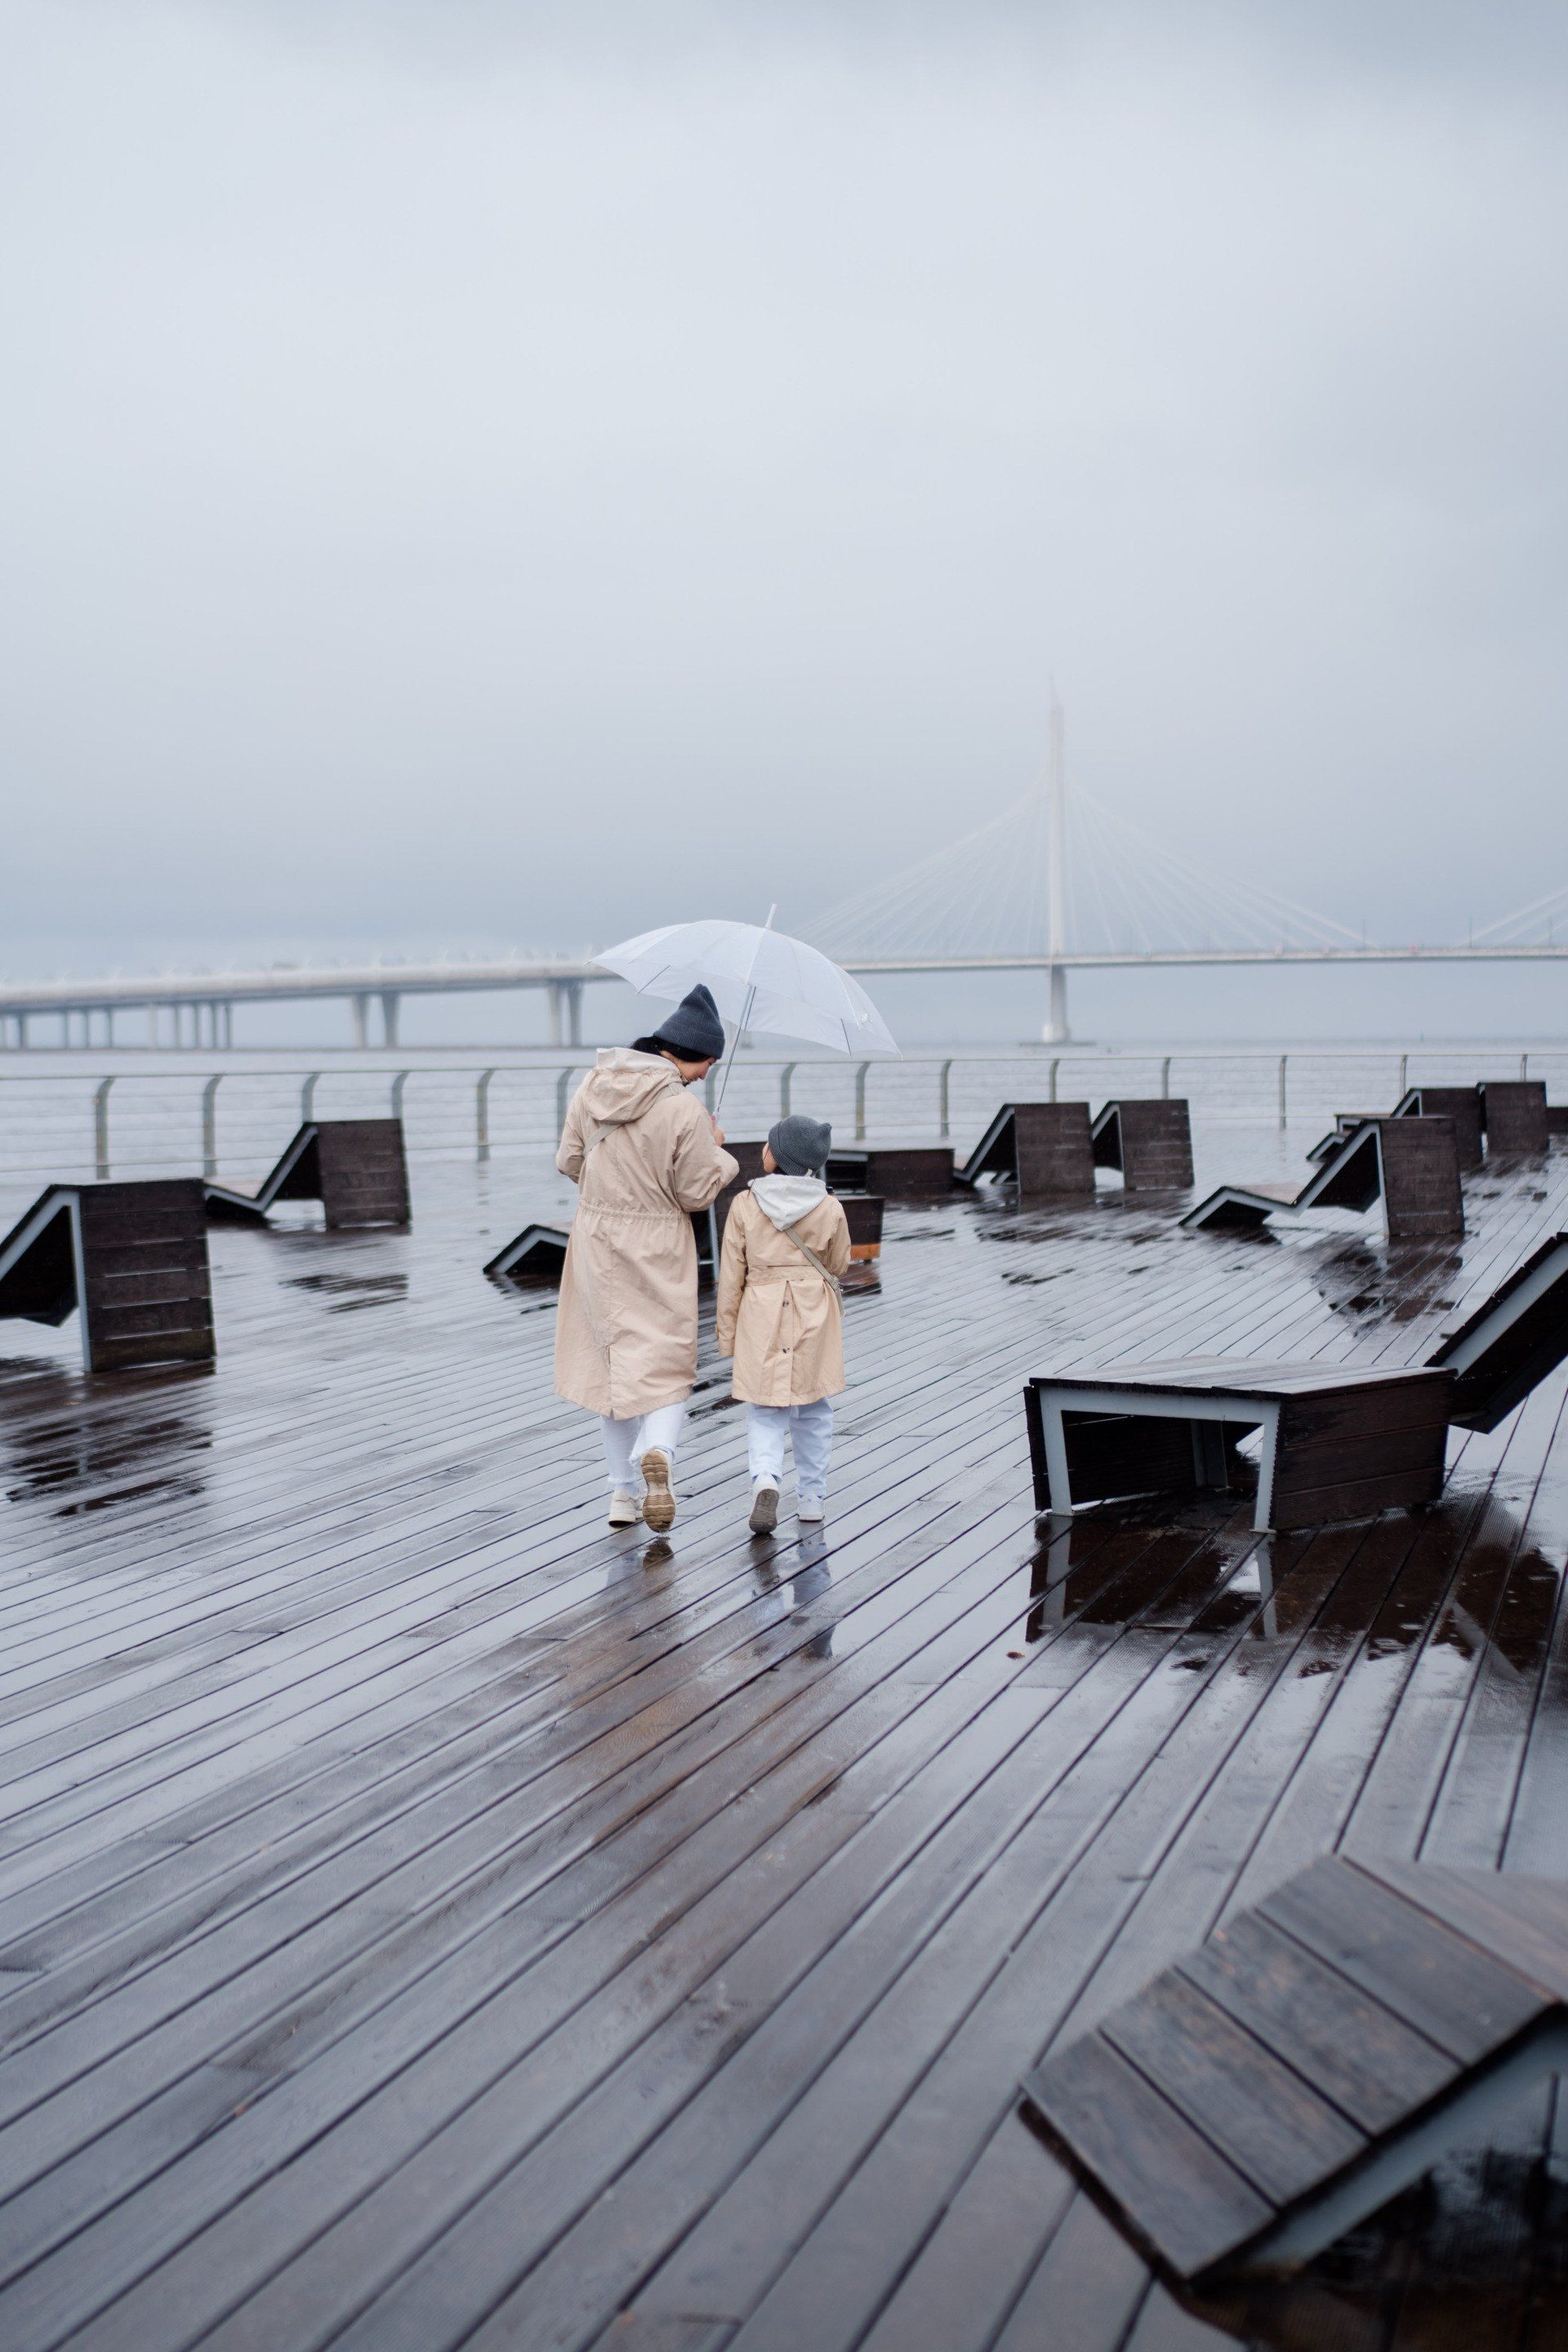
429,1919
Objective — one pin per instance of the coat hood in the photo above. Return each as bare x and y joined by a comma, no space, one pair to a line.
624,1084
784,1200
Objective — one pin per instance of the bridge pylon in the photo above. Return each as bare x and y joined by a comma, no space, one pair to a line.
1056,1031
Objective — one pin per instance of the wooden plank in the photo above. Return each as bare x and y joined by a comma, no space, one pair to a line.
355,1587
1264,2117
1521,1922
1370,2063
1450,1991
1172,2190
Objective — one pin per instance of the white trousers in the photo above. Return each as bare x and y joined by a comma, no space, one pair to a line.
626,1440
808,1427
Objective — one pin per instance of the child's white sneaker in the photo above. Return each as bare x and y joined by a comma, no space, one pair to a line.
765,1516
809,1509
625,1509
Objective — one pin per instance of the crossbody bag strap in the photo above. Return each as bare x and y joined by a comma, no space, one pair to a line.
812,1259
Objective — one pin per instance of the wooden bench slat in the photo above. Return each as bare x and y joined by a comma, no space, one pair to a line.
1371,2063
1523,1923
1272,2125
1449,1991
1182,2195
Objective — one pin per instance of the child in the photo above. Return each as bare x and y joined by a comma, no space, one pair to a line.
781,1316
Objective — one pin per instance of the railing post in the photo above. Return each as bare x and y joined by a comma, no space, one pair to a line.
209,1125
785,1075
482,1115
398,1083
1165,1079
307,1099
860,1102
563,1095
1282,1061
1524,1066
100,1126
944,1101
1056,1065
1404,1076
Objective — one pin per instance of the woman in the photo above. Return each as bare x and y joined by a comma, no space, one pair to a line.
643,1155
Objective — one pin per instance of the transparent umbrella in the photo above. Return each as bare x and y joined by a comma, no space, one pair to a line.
761,978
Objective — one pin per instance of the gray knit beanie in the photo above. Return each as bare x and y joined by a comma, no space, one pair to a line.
693,1031
800,1145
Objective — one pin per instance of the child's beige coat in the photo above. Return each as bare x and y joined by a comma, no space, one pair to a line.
781,1323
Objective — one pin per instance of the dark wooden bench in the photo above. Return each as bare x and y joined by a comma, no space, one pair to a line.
1411,1165
1514,1111
1044,1147
1336,1440
1149,1141
918,1174
354,1166
537,1254
1461,1104
1314,2057
132,1257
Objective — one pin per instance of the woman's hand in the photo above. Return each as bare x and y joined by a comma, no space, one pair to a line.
718,1131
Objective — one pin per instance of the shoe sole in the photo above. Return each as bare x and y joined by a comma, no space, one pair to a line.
659,1503
765,1516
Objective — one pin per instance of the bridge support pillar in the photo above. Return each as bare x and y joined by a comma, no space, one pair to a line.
390,1002
1055,1031
361,1005
566,1011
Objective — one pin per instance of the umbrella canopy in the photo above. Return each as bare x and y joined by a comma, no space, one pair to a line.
761,978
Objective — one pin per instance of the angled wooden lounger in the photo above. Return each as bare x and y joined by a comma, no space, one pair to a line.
1337,1441
132,1257
1045,1149
354,1166
1149,1141
896,1174
1313,2058
536,1254
1411,1165
1514,1113
1461,1104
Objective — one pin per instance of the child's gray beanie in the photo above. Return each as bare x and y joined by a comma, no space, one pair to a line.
800,1145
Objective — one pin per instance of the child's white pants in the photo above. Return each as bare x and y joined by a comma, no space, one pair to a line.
626,1440
809,1428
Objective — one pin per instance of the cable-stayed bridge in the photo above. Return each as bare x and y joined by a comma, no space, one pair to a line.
1054,883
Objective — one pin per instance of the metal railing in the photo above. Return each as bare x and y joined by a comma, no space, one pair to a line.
56,1123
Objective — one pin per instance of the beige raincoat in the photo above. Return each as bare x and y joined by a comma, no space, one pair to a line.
781,1323
640,1151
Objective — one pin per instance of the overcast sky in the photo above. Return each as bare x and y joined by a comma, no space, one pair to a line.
476,473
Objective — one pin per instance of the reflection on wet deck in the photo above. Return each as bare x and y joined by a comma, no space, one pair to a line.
428,1918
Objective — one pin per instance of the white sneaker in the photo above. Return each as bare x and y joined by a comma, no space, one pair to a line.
765,1516
809,1509
625,1509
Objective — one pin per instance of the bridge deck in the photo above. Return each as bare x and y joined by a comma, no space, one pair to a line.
429,1919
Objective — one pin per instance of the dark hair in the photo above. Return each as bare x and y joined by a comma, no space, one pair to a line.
657,1045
